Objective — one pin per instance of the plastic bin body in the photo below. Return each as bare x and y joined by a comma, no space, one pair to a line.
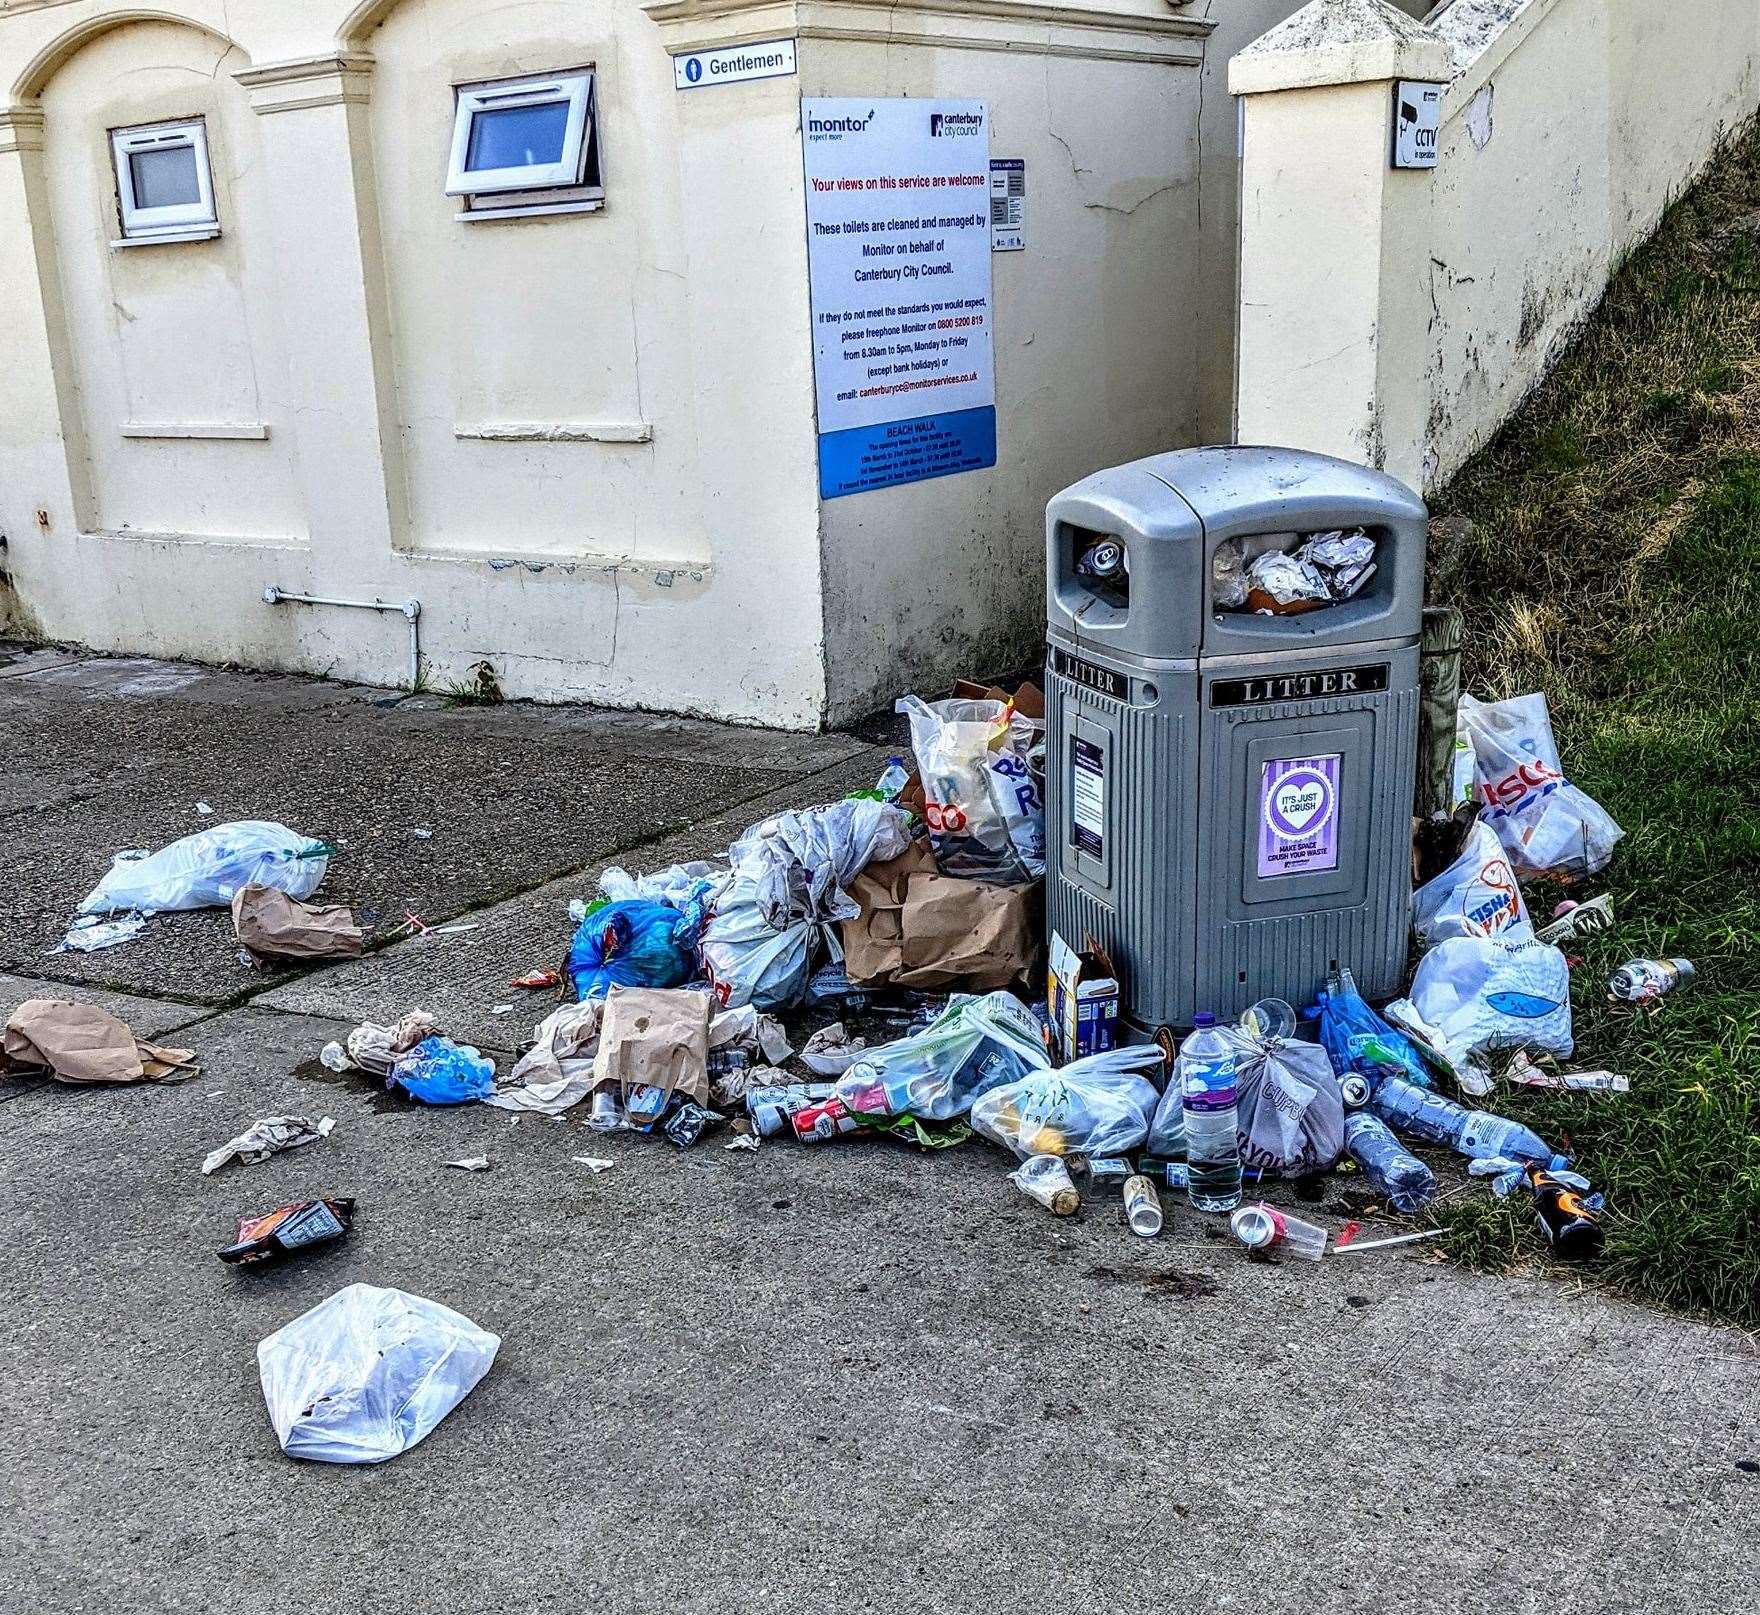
1178,735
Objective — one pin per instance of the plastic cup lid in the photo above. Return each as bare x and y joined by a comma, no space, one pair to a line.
1253,1226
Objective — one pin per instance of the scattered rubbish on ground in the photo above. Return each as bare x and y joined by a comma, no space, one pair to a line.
278,1233
1046,1178
1082,999
270,924
831,1051
743,1141
91,933
438,1071
422,834
81,1044
1479,995
1643,981
1546,825
205,869
472,1163
366,1374
1572,921
537,980
594,1163
501,1009
1569,1218
1475,896
1142,1206
204,809
1357,1247
1527,1072
374,1049
1406,1183
1267,1228
1098,1105
268,1137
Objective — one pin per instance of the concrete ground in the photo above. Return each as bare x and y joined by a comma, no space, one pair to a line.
846,1377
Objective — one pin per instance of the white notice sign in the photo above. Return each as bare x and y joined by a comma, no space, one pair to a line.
1417,120
1008,204
732,64
898,257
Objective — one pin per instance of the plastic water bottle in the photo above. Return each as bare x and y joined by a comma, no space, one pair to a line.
1640,981
893,780
1205,1072
1437,1119
1397,1175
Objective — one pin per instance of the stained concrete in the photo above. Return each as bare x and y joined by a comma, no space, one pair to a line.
113,752
846,1377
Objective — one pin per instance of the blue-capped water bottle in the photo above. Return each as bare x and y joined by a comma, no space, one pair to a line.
1205,1072
1477,1134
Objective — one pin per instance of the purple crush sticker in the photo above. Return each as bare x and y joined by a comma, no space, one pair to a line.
1298,815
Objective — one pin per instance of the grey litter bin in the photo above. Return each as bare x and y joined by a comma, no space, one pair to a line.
1229,795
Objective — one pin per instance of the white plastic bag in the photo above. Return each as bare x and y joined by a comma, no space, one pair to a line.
1098,1105
204,870
796,865
1476,895
974,1045
366,1374
1545,823
982,767
1479,994
749,960
1290,1118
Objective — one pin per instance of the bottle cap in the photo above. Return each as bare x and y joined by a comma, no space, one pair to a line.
1204,1018
1254,1226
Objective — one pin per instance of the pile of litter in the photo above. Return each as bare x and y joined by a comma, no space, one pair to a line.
913,912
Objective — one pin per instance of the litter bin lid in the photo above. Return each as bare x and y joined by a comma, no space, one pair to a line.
1173,510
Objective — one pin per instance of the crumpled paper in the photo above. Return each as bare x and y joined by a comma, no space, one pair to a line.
82,1044
267,1137
831,1051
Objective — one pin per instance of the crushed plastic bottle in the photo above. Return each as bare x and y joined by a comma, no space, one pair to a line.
1437,1119
1397,1175
893,780
1643,981
1205,1072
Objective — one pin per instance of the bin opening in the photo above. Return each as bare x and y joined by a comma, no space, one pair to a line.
1101,566
1289,574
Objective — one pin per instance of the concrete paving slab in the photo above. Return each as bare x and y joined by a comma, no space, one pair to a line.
846,1377
461,977
151,1018
118,752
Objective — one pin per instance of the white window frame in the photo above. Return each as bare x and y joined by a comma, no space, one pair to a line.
573,88
183,221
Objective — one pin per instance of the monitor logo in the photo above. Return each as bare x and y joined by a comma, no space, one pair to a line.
831,128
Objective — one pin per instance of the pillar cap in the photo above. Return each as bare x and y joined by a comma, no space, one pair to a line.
1340,42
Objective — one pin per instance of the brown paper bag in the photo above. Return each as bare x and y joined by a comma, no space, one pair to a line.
655,1037
873,943
80,1043
275,926
970,935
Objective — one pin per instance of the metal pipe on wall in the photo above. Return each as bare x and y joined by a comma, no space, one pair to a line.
411,609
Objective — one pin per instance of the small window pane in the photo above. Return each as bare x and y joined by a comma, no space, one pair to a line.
164,178
517,137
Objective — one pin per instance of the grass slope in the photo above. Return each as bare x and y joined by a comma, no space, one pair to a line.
1613,560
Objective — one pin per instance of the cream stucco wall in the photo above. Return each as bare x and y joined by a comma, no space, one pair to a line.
1399,316
584,444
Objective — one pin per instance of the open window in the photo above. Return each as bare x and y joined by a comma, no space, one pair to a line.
526,145
164,184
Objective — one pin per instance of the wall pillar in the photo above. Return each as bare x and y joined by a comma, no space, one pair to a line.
40,430
318,152
1334,241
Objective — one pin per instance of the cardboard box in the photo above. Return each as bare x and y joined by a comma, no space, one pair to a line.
1082,994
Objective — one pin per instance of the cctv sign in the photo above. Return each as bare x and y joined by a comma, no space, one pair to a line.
1417,122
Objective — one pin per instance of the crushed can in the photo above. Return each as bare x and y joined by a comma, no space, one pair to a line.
824,1119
